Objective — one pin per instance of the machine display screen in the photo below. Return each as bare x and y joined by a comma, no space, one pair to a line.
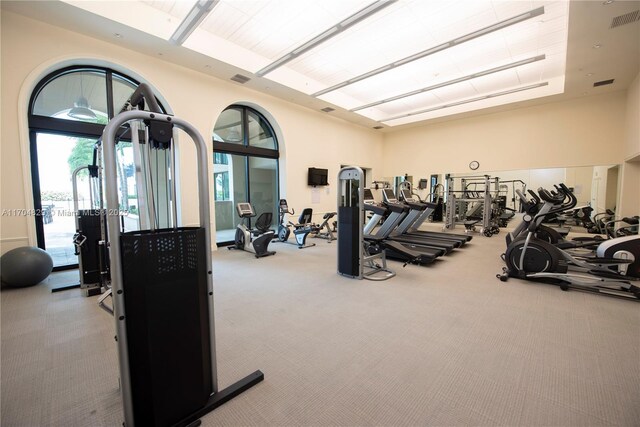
406,195
244,208
368,195
388,193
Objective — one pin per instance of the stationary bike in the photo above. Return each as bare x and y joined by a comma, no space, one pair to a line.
613,271
254,240
300,230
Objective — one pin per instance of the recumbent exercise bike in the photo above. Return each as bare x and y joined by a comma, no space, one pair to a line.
301,230
254,240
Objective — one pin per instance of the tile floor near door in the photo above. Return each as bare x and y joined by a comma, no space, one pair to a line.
447,344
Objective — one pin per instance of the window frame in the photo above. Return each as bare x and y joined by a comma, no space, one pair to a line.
38,124
248,151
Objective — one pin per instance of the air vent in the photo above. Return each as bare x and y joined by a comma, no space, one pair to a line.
603,83
328,109
240,78
627,18
378,127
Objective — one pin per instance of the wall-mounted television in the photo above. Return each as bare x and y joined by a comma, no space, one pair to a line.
317,177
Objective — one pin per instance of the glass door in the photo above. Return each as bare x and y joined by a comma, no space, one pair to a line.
230,188
58,157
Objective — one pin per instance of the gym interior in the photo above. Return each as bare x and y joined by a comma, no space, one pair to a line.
523,112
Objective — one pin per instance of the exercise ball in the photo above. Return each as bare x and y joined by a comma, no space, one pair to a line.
25,266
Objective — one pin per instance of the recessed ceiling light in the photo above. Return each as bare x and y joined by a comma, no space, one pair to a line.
117,35
207,66
589,74
597,46
607,2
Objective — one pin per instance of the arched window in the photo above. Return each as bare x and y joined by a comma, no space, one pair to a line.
68,110
245,167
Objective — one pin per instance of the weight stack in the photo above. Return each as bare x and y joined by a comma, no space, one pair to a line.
164,276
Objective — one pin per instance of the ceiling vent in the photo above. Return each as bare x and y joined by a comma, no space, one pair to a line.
378,127
240,78
328,109
603,83
627,18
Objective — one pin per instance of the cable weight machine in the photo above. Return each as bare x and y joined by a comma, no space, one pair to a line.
90,240
360,256
162,286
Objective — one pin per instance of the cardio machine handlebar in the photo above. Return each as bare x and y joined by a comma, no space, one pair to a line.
558,202
548,197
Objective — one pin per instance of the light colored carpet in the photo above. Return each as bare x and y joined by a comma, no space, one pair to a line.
447,344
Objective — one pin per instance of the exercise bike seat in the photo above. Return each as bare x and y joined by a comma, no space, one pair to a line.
305,217
262,224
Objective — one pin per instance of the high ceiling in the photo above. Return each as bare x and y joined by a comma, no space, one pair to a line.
382,63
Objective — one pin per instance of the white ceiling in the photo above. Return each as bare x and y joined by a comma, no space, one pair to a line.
547,57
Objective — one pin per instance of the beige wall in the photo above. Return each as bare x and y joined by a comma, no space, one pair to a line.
630,173
594,130
31,49
584,132
632,128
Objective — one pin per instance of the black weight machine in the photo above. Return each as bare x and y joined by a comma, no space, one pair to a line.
90,240
162,287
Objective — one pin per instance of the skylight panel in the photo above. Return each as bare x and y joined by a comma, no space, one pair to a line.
272,28
495,82
158,18
404,58
463,105
383,38
414,103
504,9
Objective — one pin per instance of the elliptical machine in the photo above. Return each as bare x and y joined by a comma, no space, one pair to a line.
614,271
254,240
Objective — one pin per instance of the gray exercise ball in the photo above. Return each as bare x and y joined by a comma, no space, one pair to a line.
25,266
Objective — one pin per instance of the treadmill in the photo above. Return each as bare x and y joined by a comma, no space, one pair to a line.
410,212
420,212
406,252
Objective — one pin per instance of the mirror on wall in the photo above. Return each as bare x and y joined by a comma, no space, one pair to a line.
596,186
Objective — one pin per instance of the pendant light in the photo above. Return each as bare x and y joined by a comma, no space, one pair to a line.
81,109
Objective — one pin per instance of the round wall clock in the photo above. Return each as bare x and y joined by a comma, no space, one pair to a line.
474,165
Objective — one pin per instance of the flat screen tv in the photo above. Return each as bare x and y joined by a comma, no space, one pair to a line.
317,177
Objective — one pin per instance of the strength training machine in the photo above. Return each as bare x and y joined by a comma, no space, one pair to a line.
90,239
162,288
